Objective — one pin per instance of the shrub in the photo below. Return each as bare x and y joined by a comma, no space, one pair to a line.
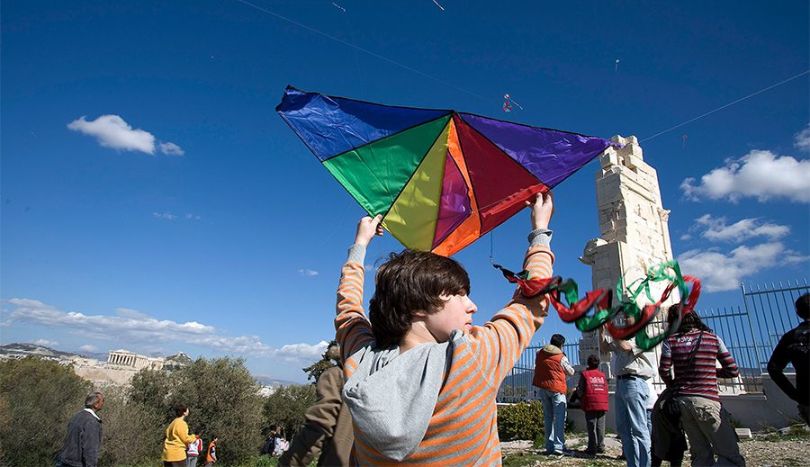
133,432
37,398
523,420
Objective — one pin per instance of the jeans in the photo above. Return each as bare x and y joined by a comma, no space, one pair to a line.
632,422
191,461
595,421
554,412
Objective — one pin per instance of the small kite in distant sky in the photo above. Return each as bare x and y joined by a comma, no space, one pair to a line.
508,102
441,179
684,138
616,65
438,5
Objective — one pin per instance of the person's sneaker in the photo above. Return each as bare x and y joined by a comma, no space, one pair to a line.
554,453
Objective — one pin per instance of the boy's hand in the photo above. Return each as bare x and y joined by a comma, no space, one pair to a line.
542,210
367,228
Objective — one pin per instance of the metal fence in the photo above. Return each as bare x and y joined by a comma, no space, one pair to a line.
750,332
772,313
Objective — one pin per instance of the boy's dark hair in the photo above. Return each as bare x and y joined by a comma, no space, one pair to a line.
407,282
803,306
180,409
593,362
689,322
558,340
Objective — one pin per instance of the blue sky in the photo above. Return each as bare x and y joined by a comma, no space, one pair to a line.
234,247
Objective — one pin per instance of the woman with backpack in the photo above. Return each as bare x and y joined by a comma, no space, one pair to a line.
688,367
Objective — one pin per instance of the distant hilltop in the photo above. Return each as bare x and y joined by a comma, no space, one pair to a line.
24,350
115,368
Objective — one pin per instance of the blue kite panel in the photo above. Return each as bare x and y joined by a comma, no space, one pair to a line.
333,125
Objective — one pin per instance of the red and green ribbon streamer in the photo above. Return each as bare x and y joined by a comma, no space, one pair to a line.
600,301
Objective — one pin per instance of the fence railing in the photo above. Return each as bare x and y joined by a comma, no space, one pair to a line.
772,313
750,332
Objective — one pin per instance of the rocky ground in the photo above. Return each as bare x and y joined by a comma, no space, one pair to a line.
768,449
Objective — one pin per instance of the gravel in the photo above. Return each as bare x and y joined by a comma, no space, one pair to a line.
764,450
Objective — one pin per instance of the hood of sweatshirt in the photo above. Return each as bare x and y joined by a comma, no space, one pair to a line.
392,395
551,349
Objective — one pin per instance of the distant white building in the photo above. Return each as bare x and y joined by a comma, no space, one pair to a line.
129,359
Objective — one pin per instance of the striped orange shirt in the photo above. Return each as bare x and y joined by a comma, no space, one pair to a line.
463,429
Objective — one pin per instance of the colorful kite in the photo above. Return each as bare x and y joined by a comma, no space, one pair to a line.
507,103
440,178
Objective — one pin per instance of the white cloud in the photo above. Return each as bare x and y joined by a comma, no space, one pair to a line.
802,139
308,272
170,216
171,149
758,174
88,348
130,313
112,131
132,328
167,216
719,271
303,352
716,229
45,342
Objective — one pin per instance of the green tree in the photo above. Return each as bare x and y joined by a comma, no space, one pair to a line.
151,388
37,398
287,406
326,362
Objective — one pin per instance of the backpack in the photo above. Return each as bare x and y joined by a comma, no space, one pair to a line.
194,448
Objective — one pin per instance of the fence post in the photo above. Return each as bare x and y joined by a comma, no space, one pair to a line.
751,328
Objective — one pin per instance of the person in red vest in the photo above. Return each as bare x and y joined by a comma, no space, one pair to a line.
551,368
592,389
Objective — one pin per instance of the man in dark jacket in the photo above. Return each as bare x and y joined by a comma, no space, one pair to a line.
83,440
794,347
328,427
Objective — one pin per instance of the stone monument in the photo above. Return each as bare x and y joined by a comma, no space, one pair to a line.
633,225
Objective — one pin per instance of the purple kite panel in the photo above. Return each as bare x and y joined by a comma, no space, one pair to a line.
550,155
454,205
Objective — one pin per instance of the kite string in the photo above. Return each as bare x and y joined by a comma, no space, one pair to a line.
492,247
726,106
362,49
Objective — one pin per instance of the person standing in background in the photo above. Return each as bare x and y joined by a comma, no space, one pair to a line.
592,389
83,440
